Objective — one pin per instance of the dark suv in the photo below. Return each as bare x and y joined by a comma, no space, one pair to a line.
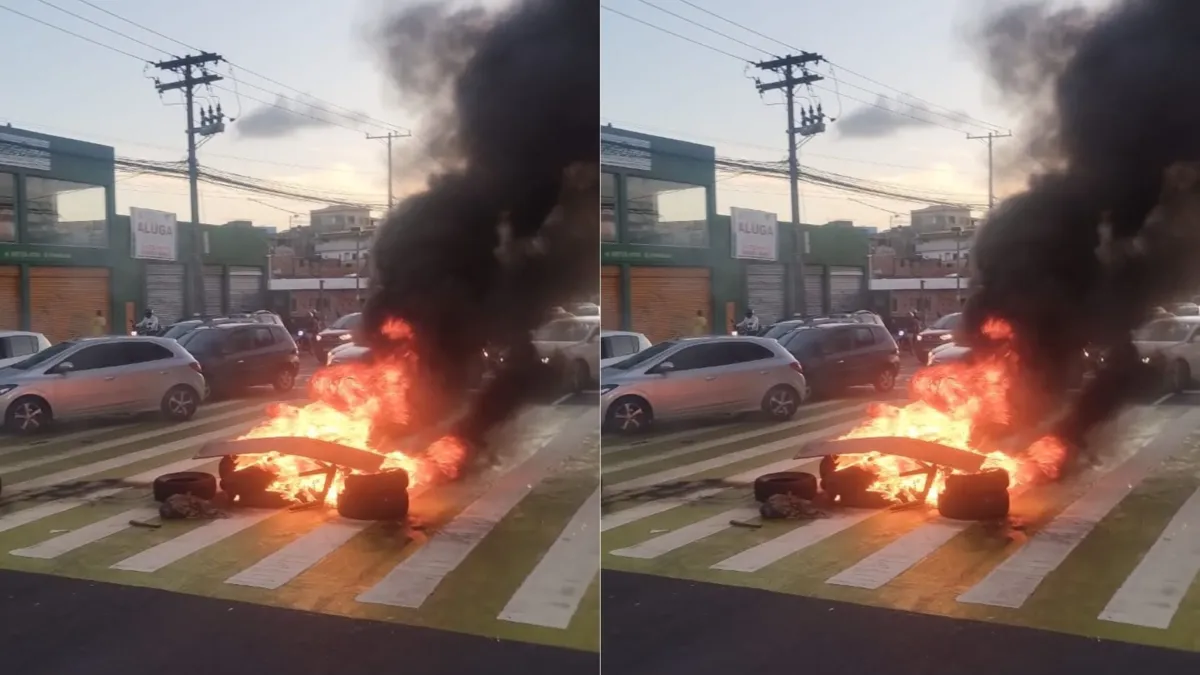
839,355
238,355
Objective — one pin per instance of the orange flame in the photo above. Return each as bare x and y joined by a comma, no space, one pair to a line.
953,404
349,399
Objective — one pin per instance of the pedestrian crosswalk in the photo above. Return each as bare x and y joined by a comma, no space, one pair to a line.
510,555
1114,553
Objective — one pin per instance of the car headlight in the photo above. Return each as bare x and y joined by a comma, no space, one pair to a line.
605,388
300,334
945,338
345,338
5,388
1146,359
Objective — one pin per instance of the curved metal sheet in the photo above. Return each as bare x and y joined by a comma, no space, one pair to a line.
309,448
912,448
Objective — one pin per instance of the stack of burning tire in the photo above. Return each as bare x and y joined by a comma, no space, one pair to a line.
975,496
375,496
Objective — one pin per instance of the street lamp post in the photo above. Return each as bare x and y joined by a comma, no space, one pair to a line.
357,263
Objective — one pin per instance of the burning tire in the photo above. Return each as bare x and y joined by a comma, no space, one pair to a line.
375,496
795,483
979,496
251,481
195,483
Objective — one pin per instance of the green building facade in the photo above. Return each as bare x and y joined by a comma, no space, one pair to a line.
666,253
65,254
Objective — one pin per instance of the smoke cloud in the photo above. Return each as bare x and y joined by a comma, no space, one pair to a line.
888,117
288,116
507,227
1108,226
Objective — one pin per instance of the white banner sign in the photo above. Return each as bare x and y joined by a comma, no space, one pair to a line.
754,234
153,234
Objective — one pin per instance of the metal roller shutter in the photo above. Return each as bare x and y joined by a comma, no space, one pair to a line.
245,289
64,300
846,289
610,297
164,291
811,287
764,290
214,290
664,300
10,298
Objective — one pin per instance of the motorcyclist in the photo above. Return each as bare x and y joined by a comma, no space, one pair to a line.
749,325
149,325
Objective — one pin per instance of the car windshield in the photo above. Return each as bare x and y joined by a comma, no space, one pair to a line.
782,328
563,330
1165,330
43,356
644,355
348,322
181,329
948,322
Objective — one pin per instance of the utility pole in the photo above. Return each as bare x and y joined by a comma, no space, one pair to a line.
389,136
991,136
812,123
211,122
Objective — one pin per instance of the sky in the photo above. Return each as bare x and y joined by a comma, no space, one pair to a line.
662,84
651,81
62,85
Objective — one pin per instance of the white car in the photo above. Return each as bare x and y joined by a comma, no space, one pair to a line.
571,344
1171,346
618,345
18,345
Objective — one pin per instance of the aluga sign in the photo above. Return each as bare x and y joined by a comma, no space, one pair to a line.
754,234
152,234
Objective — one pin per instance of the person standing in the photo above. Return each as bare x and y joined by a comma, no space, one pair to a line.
699,324
99,324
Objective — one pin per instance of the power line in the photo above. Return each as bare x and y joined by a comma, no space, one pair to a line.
707,28
979,122
74,34
670,32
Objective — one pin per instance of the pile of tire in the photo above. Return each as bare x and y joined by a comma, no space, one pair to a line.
194,483
375,496
975,496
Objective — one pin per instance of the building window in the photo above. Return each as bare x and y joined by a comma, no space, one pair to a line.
8,207
608,207
67,214
666,214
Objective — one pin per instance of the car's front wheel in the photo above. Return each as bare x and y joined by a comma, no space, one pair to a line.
781,403
28,415
629,415
285,380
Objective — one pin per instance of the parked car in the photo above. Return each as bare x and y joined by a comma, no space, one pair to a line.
618,345
839,355
181,328
100,376
701,376
939,333
342,331
18,345
238,355
1172,348
569,346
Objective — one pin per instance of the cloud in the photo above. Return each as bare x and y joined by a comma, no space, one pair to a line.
888,116
287,116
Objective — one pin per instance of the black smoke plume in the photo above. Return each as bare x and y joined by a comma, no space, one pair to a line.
507,227
1108,225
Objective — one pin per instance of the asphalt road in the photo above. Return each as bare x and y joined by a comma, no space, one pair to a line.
56,626
657,626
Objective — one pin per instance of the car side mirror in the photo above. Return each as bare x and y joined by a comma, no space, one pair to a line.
63,368
664,368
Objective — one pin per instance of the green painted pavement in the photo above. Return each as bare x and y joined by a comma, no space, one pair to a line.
469,600
1070,598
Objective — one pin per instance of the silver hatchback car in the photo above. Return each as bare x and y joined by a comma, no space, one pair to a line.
100,376
701,376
